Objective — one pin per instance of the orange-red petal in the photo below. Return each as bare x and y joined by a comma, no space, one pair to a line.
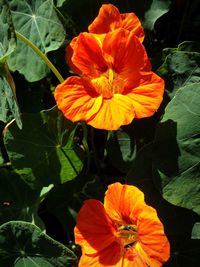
131,22
125,54
151,237
85,55
110,19
114,112
147,96
77,99
71,47
110,256
120,200
106,20
94,229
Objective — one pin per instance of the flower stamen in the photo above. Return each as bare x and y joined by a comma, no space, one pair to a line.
108,83
127,234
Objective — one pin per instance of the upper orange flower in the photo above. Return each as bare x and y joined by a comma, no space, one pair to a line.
117,84
110,19
124,232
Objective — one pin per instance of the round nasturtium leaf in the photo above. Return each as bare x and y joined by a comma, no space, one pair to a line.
44,152
23,244
180,67
38,21
176,151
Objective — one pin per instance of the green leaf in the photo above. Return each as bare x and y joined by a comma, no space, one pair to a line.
44,152
18,200
157,9
8,105
7,34
196,231
181,67
38,21
176,149
23,244
121,150
59,3
64,201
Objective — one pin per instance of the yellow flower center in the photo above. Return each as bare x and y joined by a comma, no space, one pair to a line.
127,234
108,83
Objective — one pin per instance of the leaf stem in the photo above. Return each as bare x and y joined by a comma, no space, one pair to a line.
40,54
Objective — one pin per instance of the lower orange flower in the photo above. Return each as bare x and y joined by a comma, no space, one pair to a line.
124,232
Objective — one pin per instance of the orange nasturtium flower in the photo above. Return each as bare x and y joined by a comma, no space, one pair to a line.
124,232
116,83
110,19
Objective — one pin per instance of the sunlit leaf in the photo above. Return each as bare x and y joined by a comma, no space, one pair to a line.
157,9
176,149
7,34
23,244
44,152
59,3
37,20
17,200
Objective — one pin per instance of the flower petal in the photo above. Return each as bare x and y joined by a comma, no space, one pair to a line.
110,256
71,47
77,99
147,96
120,200
86,55
124,52
131,259
113,113
94,229
151,236
110,19
106,20
131,22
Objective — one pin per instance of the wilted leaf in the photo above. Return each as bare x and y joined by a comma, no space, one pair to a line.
23,244
176,150
17,200
37,20
44,152
7,34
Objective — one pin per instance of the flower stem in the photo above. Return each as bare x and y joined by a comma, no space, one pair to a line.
40,54
85,144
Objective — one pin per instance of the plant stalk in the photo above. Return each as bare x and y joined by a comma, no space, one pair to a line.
40,54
